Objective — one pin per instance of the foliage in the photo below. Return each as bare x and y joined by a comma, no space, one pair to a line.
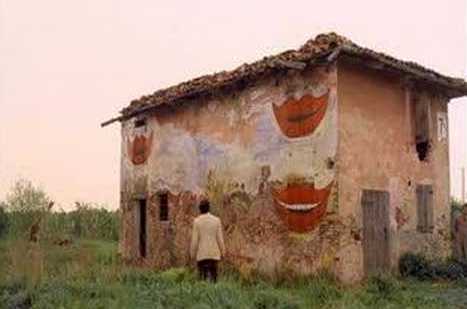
3,220
90,221
456,204
88,274
450,270
24,197
27,205
456,208
415,265
419,267
94,221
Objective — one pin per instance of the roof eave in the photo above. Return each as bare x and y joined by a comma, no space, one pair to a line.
451,87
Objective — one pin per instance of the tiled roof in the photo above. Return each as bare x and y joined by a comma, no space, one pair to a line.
324,48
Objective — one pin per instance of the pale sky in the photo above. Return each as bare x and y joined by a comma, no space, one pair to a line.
66,66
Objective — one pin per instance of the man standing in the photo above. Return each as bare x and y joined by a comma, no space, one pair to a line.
207,242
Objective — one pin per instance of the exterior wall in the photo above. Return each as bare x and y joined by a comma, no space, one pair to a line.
265,157
377,151
284,164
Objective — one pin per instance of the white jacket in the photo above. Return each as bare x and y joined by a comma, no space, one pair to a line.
207,241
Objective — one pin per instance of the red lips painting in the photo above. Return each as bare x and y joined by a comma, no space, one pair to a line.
140,148
298,118
301,206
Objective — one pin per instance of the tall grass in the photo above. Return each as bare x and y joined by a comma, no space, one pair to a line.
88,274
86,221
27,205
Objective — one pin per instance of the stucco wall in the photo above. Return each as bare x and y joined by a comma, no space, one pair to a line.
284,164
377,151
265,157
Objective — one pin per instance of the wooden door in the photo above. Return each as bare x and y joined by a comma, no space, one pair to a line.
376,255
425,208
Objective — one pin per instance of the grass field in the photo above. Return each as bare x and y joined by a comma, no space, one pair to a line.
88,274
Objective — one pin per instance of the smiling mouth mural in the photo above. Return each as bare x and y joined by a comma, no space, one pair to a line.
140,148
297,118
301,206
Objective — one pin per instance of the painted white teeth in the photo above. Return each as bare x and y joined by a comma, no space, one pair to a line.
298,207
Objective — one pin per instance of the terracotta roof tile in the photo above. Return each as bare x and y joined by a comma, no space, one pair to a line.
325,47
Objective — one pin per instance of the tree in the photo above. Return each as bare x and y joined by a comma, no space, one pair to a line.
24,197
26,205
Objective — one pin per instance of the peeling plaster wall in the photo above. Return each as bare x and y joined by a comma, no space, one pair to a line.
284,164
133,186
377,151
255,154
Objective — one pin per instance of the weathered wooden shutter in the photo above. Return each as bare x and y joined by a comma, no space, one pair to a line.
425,208
375,206
422,119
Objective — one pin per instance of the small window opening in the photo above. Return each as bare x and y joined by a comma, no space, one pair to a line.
140,122
142,227
423,149
163,207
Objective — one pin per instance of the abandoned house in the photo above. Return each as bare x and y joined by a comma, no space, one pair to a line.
329,157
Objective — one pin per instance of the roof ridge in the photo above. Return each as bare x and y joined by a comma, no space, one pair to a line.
313,50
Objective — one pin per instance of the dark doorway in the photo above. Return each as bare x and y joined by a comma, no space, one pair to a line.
376,254
142,228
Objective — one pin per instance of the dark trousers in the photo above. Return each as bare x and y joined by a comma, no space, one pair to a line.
208,269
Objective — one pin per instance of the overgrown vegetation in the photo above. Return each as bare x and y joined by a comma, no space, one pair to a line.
419,267
27,205
88,273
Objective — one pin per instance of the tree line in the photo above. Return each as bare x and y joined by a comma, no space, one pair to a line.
29,212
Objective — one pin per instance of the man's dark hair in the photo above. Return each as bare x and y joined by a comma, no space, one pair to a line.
204,206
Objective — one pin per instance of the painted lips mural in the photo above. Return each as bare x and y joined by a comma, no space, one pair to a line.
301,206
297,118
140,148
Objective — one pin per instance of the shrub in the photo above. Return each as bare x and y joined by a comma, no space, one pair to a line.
177,275
25,204
415,265
450,270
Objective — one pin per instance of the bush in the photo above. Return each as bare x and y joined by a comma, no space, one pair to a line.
417,266
18,300
177,275
450,270
24,206
28,206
